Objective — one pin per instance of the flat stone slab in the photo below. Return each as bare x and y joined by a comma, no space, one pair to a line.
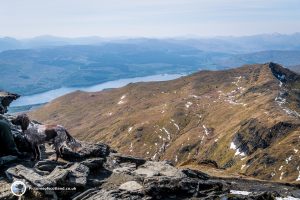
131,186
151,168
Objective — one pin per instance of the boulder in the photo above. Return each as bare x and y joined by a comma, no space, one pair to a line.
125,168
93,163
86,151
5,99
151,168
22,172
74,175
119,158
77,176
167,187
131,186
195,174
47,165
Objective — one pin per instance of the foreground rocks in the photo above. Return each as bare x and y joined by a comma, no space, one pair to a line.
108,178
98,172
5,99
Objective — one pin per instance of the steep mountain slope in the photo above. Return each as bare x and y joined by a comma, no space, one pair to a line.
244,120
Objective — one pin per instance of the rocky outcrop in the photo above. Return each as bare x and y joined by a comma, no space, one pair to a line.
253,134
98,172
5,99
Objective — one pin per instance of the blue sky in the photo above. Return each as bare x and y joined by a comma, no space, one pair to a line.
148,18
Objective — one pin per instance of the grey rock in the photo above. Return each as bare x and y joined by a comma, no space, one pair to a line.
40,172
7,159
5,99
77,176
30,175
131,186
94,163
125,168
165,187
127,159
195,174
151,168
110,195
86,151
47,165
86,194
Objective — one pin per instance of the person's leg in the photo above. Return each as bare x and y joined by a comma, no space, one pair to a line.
8,145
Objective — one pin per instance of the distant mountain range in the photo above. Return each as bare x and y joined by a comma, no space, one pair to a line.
44,63
240,121
242,44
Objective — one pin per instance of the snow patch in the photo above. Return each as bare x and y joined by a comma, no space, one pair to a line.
273,174
287,160
232,146
280,100
205,129
298,178
122,100
240,153
188,104
123,97
245,193
176,125
286,198
154,156
202,139
281,175
109,114
291,112
169,135
237,151
194,96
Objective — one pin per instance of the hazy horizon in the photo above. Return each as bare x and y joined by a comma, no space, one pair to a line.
151,19
149,37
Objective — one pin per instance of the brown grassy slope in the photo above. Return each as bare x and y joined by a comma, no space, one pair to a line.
199,117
